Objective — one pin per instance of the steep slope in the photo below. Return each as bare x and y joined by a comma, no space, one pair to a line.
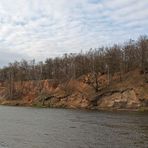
127,92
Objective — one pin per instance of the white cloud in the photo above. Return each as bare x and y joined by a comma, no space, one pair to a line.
47,28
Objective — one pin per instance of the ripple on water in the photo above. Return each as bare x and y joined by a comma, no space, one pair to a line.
3,145
58,128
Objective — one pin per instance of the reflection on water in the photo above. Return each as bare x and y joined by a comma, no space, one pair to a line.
60,128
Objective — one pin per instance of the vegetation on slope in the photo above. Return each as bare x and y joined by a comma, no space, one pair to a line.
118,74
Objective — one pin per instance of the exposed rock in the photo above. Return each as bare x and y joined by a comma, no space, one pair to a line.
119,99
129,94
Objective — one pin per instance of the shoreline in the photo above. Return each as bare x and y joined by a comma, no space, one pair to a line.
20,104
129,95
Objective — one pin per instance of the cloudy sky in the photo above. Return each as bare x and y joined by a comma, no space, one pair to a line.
47,28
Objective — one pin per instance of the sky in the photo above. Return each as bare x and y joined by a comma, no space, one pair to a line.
38,29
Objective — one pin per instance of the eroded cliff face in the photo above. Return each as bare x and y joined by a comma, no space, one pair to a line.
120,99
130,93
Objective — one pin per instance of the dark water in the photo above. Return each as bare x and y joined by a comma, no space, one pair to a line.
22,127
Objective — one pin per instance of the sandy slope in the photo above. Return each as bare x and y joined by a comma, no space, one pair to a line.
130,92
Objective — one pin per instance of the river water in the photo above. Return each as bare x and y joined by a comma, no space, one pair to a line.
24,127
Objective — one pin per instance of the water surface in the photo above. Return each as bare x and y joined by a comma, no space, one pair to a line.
24,127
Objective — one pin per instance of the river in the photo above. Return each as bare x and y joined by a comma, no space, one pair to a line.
26,127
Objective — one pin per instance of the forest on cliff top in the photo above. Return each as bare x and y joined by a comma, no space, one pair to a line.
104,60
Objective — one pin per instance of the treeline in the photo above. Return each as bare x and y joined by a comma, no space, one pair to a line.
118,58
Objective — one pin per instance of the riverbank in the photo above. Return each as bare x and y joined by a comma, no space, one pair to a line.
24,104
128,93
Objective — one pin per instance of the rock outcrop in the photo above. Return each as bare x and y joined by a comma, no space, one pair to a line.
129,94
